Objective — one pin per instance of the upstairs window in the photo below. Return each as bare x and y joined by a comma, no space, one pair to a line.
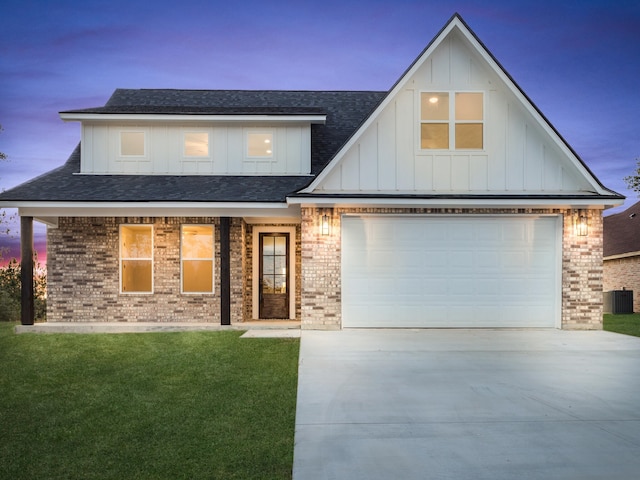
196,144
132,144
259,144
451,121
136,259
197,254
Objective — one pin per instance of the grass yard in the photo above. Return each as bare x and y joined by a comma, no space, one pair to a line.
188,405
629,324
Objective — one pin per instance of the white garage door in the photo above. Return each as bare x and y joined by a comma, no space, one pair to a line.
450,271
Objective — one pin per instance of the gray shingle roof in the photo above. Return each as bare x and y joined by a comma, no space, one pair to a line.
622,231
345,112
64,185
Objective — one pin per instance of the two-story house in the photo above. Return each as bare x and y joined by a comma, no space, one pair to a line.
447,201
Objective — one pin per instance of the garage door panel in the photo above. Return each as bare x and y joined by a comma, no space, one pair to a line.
463,271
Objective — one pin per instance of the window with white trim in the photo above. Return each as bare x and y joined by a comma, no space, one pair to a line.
196,144
451,120
196,258
132,144
136,258
260,144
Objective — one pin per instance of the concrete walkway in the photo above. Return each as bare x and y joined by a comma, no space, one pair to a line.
468,404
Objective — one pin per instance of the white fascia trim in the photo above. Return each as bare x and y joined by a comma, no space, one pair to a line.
622,255
120,117
453,202
157,209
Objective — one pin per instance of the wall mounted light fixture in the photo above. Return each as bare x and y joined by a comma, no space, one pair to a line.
580,223
325,224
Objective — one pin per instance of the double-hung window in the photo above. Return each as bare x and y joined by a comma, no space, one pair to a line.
136,259
197,254
451,121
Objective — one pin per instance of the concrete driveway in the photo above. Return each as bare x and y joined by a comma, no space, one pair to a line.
468,404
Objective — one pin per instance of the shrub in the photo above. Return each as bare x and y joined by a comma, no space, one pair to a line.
10,292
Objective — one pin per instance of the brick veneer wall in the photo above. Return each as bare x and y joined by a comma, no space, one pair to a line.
582,269
623,273
83,273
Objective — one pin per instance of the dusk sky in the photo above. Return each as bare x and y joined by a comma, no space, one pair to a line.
579,61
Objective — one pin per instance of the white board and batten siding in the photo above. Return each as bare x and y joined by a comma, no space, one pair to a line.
164,150
518,156
451,271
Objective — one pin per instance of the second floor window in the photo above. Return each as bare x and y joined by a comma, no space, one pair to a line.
196,144
260,144
132,144
451,121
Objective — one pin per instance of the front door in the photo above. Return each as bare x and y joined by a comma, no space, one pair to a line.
274,275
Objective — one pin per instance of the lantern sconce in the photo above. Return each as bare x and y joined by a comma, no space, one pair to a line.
325,224
580,224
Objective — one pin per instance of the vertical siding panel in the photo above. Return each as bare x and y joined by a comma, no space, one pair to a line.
460,65
387,155
424,173
460,172
441,64
552,170
478,173
167,149
442,173
403,149
496,137
533,161
332,182
111,139
236,150
305,150
87,155
515,149
294,156
219,149
350,171
369,158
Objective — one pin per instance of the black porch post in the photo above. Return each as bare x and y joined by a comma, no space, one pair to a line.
225,271
26,271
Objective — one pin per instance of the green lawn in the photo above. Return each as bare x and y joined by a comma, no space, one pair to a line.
186,405
629,324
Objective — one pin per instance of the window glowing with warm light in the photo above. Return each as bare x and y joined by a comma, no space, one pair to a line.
449,122
197,254
136,258
132,144
260,144
196,144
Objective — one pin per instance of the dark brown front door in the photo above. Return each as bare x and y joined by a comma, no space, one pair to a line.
274,275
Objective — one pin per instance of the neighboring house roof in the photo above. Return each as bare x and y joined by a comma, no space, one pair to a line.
622,232
345,111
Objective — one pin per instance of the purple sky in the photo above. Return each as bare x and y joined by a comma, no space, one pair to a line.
578,60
